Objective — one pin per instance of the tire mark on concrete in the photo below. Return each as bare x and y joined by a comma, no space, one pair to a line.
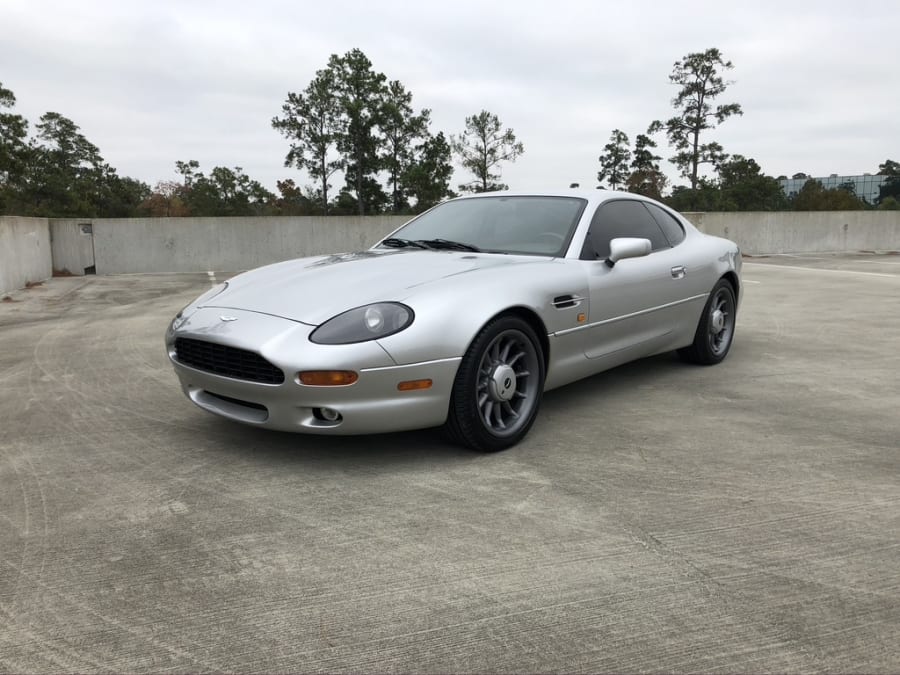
123,627
813,515
43,371
94,425
23,550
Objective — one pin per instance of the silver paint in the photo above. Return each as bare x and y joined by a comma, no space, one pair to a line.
635,309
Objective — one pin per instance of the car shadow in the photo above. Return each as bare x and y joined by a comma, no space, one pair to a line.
633,374
370,452
390,451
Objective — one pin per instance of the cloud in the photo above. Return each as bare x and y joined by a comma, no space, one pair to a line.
154,82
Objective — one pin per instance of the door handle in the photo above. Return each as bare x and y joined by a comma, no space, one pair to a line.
678,272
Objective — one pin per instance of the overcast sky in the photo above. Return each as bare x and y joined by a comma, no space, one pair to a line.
153,82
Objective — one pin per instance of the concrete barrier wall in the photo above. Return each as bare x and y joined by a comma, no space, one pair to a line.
72,243
31,248
24,251
132,245
762,232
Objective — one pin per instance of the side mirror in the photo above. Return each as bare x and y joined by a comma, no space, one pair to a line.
626,247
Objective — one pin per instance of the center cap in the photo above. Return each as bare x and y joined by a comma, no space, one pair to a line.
503,383
718,321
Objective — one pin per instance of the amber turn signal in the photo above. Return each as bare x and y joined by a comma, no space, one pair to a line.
412,385
327,378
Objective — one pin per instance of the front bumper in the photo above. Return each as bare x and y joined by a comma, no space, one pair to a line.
372,404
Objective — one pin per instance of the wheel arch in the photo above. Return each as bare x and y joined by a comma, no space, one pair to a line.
466,422
537,325
732,278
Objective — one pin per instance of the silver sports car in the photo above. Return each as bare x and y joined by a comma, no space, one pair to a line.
463,317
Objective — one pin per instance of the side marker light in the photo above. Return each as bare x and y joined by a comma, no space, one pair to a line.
413,385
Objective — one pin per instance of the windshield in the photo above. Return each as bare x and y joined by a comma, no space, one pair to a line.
525,225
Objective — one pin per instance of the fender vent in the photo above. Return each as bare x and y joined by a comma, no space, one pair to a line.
566,301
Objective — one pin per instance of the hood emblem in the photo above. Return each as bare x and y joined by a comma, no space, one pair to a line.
228,318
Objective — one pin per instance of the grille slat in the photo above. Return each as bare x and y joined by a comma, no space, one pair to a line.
228,361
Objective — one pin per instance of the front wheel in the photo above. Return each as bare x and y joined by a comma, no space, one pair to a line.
715,332
498,388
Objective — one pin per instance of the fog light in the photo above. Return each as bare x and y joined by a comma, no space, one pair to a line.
329,414
327,378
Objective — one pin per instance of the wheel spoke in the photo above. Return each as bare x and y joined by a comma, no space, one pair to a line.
498,416
504,392
723,311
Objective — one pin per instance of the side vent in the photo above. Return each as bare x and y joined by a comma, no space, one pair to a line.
566,301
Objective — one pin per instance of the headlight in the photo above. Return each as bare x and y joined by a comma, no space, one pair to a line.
364,323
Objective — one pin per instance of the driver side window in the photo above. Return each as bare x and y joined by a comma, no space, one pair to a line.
621,218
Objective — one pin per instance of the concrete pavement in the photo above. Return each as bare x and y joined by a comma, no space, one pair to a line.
659,517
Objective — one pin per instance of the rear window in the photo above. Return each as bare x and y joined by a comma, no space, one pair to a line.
670,226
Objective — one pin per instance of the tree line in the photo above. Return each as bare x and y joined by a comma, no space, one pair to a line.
349,119
352,121
738,182
355,120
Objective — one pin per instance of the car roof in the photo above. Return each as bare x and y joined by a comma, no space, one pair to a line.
593,196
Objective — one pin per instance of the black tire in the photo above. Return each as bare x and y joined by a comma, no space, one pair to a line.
498,387
715,331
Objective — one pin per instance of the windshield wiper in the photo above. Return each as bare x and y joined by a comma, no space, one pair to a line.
448,245
395,242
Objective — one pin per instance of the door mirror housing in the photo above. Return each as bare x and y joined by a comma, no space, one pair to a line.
627,247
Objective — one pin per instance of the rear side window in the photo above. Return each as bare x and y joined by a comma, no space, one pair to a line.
621,218
669,224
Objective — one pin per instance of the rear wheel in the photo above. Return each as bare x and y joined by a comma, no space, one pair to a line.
715,332
498,388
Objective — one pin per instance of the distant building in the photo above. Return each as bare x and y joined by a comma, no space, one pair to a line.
866,187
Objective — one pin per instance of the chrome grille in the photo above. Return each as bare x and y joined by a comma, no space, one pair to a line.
227,361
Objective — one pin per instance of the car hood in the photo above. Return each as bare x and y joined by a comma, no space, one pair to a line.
312,290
